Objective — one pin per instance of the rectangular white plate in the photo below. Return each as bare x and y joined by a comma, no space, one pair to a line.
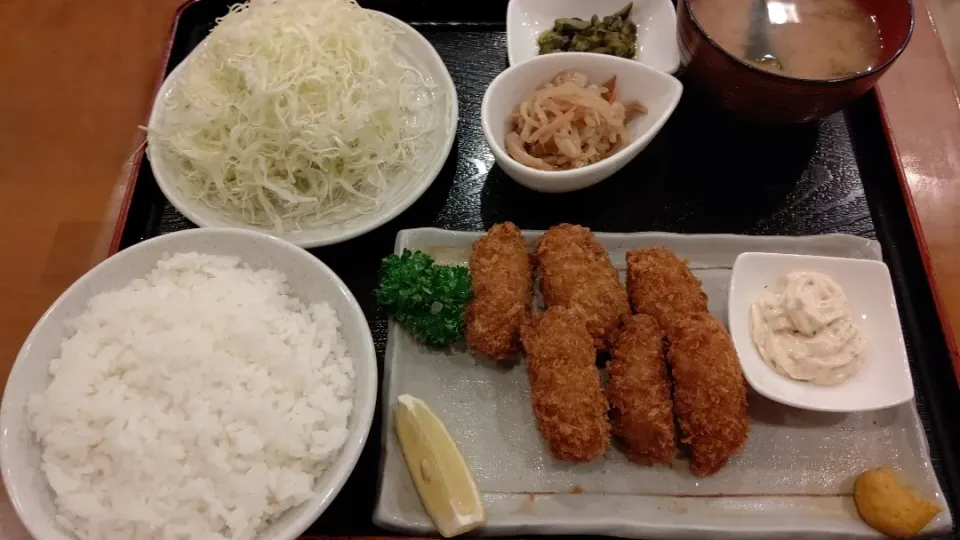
794,478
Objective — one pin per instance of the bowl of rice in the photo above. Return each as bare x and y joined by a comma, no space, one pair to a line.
210,383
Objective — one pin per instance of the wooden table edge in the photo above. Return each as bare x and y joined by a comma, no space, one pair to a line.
918,103
934,90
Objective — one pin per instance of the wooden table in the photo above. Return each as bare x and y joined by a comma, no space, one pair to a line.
78,78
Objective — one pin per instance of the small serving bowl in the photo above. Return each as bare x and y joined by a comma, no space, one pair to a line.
656,22
753,94
658,91
309,279
884,379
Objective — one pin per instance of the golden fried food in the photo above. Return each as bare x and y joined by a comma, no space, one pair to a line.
661,285
890,507
639,392
502,280
575,271
709,393
565,390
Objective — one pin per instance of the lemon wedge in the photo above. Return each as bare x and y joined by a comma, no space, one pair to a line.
443,480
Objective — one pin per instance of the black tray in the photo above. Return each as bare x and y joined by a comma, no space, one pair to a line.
704,173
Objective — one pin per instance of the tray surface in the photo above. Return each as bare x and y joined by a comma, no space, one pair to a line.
795,474
703,174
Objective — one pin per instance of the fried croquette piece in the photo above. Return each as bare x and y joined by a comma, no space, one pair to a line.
709,393
502,279
639,392
661,284
565,390
575,271
890,507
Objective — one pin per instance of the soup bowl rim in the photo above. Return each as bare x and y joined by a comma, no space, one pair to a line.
799,80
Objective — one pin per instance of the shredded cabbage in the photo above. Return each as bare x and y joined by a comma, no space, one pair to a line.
295,112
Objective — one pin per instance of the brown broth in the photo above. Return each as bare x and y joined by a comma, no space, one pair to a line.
812,39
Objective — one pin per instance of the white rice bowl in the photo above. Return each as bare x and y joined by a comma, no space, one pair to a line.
268,455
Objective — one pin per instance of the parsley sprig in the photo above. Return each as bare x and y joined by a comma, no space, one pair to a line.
428,299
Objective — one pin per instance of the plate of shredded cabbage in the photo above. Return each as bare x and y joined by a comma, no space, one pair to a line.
313,120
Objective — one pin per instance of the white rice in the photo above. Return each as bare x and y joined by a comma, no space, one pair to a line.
199,402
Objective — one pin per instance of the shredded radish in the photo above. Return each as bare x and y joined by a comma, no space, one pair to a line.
569,123
294,113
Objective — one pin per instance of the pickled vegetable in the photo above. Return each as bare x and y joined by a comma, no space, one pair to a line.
614,35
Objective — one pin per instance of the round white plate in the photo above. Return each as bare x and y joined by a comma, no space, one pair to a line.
419,53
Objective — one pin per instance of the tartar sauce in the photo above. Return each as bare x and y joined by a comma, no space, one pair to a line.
803,330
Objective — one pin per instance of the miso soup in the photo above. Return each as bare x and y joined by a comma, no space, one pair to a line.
810,39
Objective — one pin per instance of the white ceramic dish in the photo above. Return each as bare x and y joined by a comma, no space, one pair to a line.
793,480
310,279
659,92
415,50
656,22
883,381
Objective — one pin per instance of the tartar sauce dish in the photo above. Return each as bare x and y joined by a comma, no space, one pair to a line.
819,333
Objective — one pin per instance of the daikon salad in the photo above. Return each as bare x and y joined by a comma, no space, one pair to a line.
294,113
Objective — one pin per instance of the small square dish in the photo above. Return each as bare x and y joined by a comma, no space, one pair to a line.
656,22
882,381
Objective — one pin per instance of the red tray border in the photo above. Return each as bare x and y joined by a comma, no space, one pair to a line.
897,100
